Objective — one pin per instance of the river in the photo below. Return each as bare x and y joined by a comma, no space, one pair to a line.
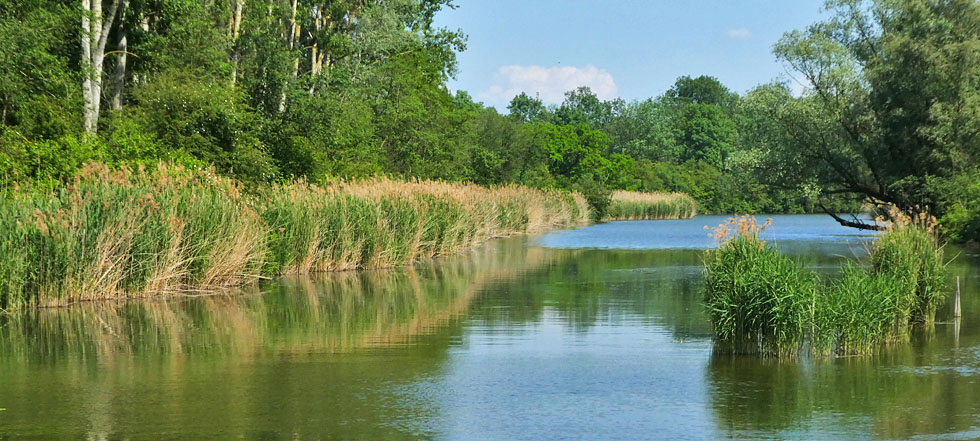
595,333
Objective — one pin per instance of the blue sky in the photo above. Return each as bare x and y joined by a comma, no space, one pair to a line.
620,48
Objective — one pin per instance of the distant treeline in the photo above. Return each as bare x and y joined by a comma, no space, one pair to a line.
273,90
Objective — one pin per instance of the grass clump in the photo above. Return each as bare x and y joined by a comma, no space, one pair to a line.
910,253
631,205
761,302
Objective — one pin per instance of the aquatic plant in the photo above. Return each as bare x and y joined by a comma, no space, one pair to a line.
762,302
910,252
112,232
631,205
759,301
380,222
124,232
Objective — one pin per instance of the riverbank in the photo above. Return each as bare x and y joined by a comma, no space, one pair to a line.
137,233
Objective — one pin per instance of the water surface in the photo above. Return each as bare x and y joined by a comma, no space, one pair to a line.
596,333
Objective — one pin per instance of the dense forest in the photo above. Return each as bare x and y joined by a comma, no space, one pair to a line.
273,90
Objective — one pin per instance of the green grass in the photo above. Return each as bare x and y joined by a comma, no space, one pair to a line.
762,302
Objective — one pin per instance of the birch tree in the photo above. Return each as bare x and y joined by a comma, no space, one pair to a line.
96,27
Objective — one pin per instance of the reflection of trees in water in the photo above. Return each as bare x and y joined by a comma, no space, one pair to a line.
252,362
662,286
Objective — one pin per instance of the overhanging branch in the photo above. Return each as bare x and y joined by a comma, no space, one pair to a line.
853,224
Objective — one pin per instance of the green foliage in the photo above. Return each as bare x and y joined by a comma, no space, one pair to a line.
205,119
707,133
892,103
701,90
38,87
526,109
598,196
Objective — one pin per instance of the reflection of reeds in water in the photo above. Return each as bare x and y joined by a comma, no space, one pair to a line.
331,312
897,396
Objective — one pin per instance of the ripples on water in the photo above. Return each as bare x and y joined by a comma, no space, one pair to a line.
595,333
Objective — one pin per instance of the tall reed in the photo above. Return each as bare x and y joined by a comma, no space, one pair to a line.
631,205
379,222
759,301
110,233
113,233
762,302
910,253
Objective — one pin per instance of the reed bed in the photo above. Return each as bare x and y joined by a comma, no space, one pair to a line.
378,223
632,205
135,233
762,302
110,233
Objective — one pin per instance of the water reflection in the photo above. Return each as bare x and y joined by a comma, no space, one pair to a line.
925,389
508,342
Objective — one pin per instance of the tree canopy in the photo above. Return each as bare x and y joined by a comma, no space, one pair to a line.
270,90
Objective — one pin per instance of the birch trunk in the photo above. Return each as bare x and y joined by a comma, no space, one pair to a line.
119,77
235,29
89,123
293,37
95,32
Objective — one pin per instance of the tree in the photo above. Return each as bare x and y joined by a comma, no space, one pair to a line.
705,133
895,94
701,90
524,108
644,129
581,106
96,27
39,95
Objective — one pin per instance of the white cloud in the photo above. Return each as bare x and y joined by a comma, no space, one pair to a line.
739,33
549,83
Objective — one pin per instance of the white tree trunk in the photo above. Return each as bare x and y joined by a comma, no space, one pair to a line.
294,29
95,32
119,77
236,23
87,64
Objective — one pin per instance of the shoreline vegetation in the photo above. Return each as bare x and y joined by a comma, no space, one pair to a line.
764,303
634,205
114,233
